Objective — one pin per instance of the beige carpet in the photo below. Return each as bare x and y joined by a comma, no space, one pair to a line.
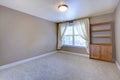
61,66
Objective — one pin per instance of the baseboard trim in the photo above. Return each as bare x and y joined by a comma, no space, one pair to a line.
25,60
78,54
118,65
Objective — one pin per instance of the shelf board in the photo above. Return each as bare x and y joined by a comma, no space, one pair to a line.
101,36
101,30
100,23
101,43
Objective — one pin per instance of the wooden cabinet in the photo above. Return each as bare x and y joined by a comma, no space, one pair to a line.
101,41
101,52
95,50
106,53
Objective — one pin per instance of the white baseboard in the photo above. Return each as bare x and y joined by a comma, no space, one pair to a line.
43,55
25,60
78,54
118,65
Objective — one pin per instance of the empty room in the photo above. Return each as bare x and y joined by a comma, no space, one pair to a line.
59,39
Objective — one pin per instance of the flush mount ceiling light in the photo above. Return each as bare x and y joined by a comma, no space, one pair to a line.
62,7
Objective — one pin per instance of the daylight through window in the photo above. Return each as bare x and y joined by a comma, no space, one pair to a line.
71,37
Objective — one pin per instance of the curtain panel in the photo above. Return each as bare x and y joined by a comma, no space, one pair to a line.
82,27
61,30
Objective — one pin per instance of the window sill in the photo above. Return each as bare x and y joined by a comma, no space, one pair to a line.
74,46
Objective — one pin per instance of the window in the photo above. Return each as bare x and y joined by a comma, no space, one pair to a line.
71,37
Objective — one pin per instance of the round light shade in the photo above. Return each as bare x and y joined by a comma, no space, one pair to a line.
63,7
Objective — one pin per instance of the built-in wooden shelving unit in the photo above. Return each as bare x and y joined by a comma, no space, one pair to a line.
101,41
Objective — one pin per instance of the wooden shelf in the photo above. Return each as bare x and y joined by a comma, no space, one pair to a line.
101,43
101,30
101,36
100,23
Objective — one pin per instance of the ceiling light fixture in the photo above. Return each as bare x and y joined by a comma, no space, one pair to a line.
62,7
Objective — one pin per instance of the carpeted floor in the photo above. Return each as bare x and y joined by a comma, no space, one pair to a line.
62,66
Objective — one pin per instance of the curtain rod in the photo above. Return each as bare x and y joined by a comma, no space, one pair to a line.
72,20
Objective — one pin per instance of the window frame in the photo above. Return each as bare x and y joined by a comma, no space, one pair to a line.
73,37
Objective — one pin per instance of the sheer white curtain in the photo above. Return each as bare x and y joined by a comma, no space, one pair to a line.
61,30
82,26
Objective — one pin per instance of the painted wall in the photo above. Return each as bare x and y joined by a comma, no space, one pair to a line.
75,49
117,33
23,36
95,19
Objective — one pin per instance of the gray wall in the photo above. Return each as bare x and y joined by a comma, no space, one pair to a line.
75,49
117,33
23,36
95,19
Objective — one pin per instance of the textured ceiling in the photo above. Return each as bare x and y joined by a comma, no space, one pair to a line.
47,9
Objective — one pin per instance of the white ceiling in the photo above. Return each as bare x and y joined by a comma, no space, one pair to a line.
47,9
